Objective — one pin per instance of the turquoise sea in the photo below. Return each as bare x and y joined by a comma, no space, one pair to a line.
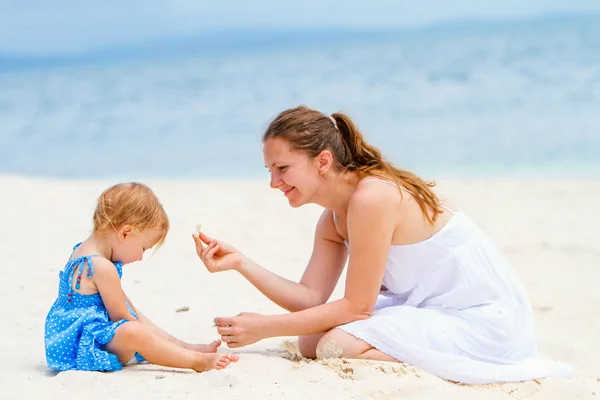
502,99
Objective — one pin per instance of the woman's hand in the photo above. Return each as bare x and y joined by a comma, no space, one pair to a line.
217,255
241,330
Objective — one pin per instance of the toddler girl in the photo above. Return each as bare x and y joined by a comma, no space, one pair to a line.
92,325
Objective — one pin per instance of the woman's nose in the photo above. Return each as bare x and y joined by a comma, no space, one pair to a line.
275,181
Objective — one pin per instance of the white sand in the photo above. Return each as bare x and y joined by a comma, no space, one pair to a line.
549,230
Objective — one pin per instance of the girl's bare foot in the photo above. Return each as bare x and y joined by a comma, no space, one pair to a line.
208,361
205,348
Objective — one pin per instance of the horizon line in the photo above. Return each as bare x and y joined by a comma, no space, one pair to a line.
10,60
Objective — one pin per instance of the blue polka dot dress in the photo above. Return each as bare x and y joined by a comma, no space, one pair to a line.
78,326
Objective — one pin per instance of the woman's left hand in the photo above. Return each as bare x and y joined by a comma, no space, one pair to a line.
241,330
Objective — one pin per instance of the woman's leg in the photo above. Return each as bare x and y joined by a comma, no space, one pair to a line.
337,343
308,345
132,337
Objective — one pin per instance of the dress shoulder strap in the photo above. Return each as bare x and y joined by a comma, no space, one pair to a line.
83,262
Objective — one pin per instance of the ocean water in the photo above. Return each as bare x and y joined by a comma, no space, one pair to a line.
502,100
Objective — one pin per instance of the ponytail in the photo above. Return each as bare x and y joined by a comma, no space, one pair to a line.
367,160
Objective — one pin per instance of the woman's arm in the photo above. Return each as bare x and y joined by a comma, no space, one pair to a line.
319,279
370,230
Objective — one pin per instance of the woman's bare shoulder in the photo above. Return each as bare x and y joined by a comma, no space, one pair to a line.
375,192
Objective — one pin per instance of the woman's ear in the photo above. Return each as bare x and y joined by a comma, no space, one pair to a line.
324,161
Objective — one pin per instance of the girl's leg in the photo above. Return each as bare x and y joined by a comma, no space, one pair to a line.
337,343
134,337
203,348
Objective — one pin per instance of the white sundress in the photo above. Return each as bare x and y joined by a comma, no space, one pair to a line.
455,308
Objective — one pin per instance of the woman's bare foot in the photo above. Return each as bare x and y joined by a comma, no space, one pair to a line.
205,348
208,361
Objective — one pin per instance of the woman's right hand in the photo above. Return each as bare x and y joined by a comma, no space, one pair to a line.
217,255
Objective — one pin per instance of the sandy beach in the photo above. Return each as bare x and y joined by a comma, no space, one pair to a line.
549,230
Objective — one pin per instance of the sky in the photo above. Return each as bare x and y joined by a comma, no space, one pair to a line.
66,27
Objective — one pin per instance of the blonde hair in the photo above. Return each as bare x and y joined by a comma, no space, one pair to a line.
132,204
310,131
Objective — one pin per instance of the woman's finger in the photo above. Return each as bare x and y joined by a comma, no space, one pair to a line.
210,254
206,249
205,238
224,321
232,343
198,242
225,330
228,338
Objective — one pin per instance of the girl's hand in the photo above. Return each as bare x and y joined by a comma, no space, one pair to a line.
241,330
216,255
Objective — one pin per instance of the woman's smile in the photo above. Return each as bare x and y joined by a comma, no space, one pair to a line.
288,191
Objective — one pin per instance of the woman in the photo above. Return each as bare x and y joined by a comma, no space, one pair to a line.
424,285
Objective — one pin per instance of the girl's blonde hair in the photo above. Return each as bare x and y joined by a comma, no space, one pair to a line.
132,204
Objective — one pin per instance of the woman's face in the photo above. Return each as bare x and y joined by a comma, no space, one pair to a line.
295,174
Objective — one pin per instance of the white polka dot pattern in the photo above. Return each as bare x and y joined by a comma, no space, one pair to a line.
78,327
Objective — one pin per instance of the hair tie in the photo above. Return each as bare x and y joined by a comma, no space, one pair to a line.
333,120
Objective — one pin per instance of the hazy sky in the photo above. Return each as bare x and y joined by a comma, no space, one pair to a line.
69,26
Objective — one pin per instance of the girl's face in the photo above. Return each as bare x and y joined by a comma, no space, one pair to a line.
131,245
295,174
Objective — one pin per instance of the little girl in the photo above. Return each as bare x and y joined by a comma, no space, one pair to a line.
92,325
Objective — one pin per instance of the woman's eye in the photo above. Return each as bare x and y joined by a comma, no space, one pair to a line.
282,168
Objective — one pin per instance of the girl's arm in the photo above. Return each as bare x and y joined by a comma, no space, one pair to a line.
370,230
108,283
